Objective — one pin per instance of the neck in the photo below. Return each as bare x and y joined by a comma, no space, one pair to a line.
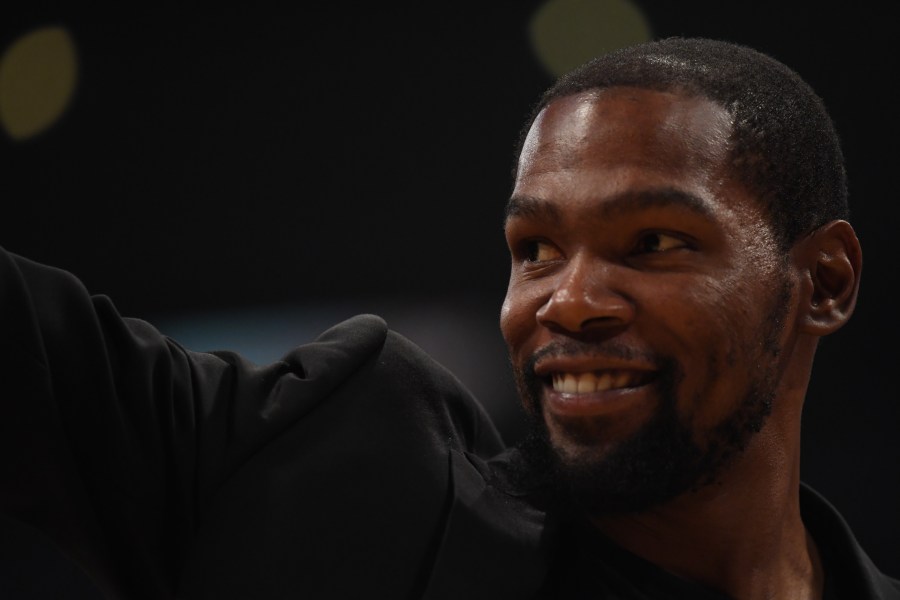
742,535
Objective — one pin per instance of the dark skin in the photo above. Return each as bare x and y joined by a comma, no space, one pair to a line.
628,232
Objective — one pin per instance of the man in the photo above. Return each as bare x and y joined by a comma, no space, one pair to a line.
679,244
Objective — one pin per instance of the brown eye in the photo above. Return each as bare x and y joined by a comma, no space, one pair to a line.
537,251
659,242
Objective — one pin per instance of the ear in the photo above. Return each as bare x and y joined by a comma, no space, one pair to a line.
831,260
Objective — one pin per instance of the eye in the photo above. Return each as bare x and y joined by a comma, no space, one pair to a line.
659,242
537,251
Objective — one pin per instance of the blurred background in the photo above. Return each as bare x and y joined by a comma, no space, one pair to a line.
245,177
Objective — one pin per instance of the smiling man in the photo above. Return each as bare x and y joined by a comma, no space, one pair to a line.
680,244
648,301
638,269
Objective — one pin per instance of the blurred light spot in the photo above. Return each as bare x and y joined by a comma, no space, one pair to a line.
37,80
566,33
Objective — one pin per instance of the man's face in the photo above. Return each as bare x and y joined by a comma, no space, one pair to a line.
646,298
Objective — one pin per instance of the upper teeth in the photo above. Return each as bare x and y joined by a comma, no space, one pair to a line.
585,383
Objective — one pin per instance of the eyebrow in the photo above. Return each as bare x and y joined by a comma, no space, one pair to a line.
627,202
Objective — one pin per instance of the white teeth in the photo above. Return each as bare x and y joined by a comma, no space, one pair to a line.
586,383
604,382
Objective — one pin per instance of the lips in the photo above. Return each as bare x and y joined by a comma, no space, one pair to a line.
572,394
593,384
597,381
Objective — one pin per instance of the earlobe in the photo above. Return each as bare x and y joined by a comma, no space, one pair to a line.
832,259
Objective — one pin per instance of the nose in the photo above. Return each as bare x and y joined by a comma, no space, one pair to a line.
586,299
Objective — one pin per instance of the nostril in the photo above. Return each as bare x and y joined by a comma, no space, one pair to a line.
575,320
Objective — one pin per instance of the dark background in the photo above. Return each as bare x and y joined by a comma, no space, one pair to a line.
244,177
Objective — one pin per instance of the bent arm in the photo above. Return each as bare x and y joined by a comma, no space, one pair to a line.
153,466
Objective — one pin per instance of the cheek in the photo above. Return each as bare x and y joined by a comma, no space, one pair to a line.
517,315
511,320
725,330
745,309
721,308
683,317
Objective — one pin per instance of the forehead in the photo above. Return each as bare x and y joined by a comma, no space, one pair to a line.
619,140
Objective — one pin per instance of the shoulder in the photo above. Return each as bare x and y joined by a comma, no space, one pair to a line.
849,569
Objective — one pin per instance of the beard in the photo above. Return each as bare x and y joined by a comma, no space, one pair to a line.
666,457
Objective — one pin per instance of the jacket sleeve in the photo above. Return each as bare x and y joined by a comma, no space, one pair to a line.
163,472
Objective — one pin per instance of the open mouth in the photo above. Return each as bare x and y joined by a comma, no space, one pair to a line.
598,381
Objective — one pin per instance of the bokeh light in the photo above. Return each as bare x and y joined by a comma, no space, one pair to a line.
38,75
566,33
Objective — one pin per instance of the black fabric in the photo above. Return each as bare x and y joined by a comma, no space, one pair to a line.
850,573
588,565
167,473
354,467
32,567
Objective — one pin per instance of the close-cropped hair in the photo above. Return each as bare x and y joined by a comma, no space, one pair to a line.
783,148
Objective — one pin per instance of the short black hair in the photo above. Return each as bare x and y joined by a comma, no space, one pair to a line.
784,146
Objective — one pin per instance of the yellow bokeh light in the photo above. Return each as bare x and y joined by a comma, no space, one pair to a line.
38,73
566,33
